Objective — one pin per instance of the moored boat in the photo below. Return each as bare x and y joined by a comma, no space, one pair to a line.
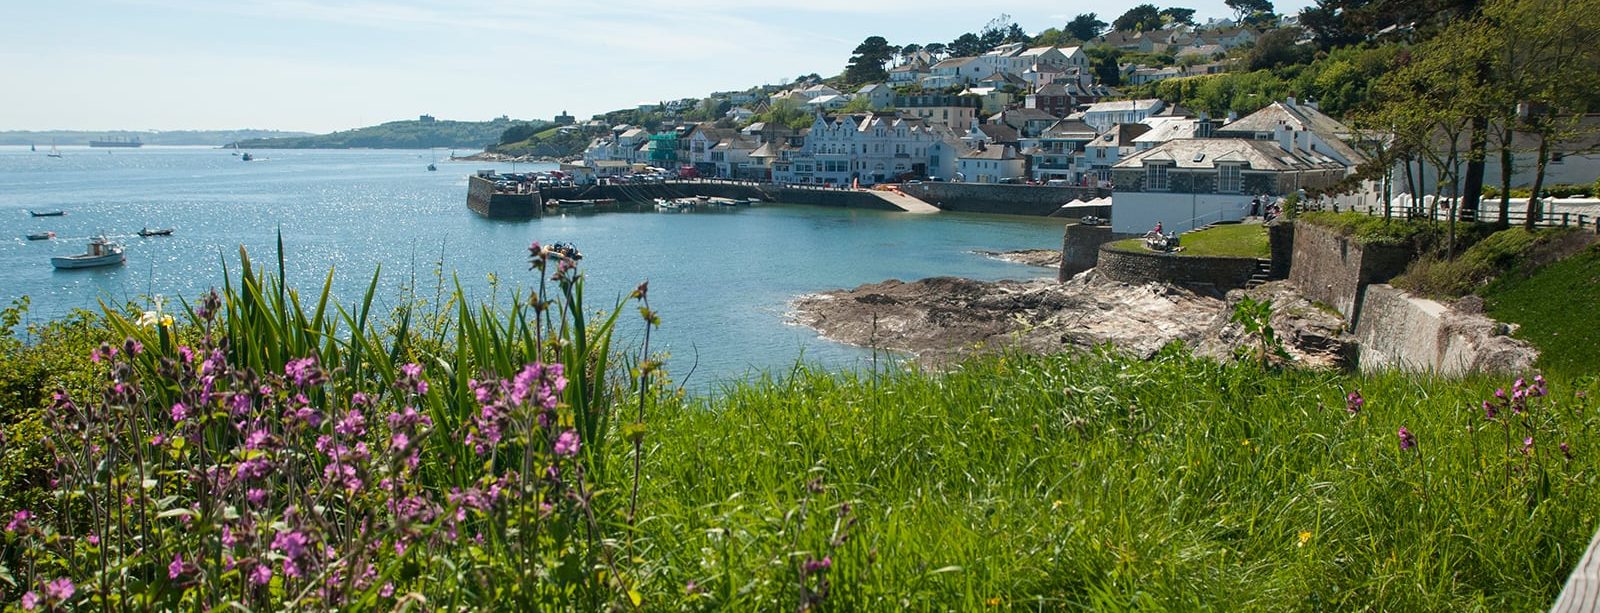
41,236
678,205
55,213
101,252
147,232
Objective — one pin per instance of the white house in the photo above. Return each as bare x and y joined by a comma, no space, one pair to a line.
1059,148
1102,115
1107,149
1296,126
954,71
881,95
867,148
991,164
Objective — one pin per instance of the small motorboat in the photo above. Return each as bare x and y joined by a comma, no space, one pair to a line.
41,236
102,252
55,213
675,206
432,168
753,201
247,157
147,232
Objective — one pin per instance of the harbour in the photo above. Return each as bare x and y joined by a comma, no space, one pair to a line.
722,277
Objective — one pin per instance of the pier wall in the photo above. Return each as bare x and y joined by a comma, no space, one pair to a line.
1035,200
483,199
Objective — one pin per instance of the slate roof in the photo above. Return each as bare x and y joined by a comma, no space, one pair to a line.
1205,153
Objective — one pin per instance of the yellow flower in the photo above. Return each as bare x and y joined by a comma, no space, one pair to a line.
166,320
993,602
1305,537
1245,442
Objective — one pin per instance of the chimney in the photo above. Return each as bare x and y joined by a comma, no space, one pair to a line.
1290,101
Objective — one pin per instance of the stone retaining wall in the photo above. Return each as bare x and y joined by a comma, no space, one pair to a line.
1333,269
1221,273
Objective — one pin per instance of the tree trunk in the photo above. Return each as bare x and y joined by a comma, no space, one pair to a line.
1507,161
1538,182
1476,156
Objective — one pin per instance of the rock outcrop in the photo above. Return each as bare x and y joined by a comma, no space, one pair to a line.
941,318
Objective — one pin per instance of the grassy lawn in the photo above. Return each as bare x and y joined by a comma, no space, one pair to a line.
1232,240
1556,311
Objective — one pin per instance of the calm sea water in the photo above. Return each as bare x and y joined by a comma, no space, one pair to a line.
721,279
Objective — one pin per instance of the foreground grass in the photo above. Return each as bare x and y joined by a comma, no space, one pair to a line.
1099,482
1228,240
1547,305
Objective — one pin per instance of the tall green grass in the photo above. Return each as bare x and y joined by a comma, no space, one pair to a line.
1067,482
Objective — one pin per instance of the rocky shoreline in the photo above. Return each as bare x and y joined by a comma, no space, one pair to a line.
944,318
1048,258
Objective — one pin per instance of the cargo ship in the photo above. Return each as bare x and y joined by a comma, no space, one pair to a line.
117,142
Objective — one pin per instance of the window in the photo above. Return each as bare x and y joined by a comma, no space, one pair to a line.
1229,180
1155,177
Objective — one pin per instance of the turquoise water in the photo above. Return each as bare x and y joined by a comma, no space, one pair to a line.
722,279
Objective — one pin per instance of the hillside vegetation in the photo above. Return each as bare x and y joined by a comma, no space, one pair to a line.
412,134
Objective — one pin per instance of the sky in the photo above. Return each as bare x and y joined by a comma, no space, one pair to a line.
326,65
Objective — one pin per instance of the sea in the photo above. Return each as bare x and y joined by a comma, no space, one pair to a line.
723,280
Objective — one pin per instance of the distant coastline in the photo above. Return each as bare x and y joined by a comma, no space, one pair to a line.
190,138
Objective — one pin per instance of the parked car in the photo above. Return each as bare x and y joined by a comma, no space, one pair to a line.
1058,182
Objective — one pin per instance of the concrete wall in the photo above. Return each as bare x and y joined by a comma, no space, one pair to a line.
1039,200
1134,267
1333,269
1404,332
1138,212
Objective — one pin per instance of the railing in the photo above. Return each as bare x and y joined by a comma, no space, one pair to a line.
1547,218
1487,212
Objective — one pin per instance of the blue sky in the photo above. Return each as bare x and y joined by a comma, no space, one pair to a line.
320,66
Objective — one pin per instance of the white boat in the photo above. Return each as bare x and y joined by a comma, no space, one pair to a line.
679,205
41,236
102,252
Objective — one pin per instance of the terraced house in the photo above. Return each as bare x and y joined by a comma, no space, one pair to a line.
870,148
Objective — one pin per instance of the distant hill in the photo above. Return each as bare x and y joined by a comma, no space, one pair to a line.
412,134
215,138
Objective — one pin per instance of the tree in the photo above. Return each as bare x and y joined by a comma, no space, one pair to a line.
1142,18
935,49
909,50
1278,48
1052,37
966,45
1085,26
1103,60
867,64
1178,15
1244,9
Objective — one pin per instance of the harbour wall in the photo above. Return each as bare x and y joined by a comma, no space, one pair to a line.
648,192
1035,200
485,200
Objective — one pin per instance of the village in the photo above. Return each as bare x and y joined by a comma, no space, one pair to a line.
1021,114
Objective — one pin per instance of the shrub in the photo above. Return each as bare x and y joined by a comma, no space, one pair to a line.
281,462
